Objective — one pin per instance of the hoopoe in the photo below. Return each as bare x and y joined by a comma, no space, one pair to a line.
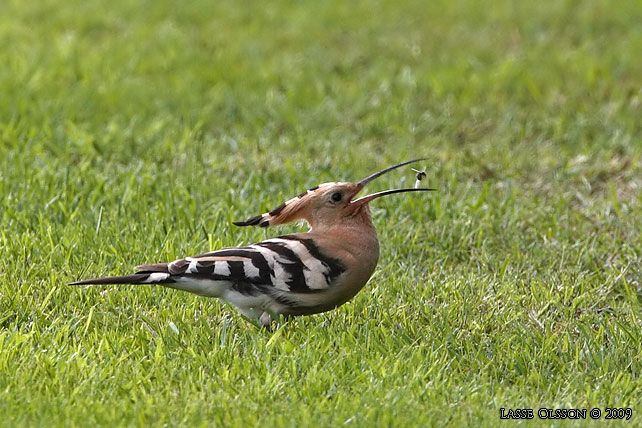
296,274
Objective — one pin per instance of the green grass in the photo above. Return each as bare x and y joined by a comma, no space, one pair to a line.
134,133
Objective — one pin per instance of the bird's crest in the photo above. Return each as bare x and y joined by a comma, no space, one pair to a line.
297,208
289,211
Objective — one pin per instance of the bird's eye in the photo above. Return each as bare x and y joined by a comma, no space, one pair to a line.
336,197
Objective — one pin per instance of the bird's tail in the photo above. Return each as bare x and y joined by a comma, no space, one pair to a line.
147,274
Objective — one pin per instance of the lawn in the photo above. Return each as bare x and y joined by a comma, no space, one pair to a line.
135,132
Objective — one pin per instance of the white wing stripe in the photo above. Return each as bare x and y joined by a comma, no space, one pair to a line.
156,277
315,271
251,271
280,278
221,268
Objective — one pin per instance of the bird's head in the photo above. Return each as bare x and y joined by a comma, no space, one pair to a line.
328,204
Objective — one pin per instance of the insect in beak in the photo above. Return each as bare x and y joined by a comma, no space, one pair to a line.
365,199
420,176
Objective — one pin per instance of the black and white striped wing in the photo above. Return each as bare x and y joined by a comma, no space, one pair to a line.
288,263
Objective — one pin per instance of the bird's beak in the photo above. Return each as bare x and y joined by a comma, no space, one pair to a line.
365,199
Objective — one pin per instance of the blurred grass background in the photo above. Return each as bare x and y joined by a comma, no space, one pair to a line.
135,132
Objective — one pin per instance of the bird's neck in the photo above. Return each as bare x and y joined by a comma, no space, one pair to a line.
357,223
355,233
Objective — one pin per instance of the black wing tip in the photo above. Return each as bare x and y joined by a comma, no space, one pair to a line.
94,281
136,278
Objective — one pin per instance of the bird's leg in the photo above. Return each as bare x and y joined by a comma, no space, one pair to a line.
256,317
266,321
268,317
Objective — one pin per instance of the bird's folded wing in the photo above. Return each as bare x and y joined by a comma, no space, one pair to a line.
289,263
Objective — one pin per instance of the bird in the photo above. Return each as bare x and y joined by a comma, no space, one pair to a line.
291,275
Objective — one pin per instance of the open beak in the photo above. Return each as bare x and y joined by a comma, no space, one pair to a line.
365,199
